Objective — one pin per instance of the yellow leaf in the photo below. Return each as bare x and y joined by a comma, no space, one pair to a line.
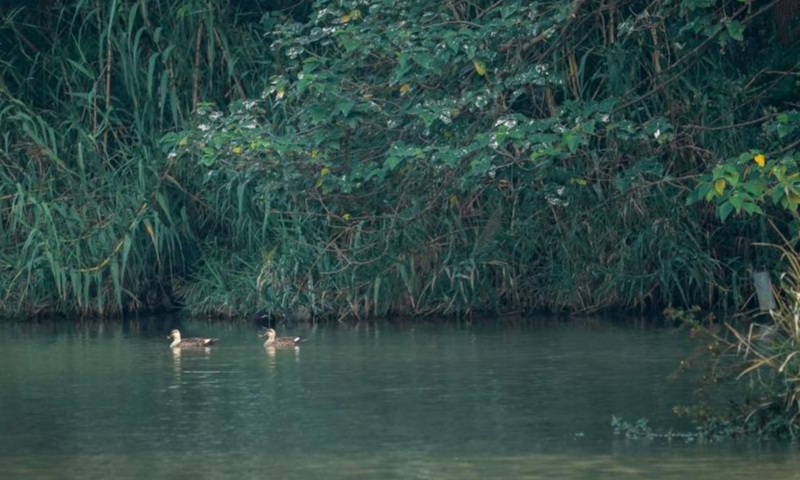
314,153
151,232
322,173
353,15
719,186
479,67
238,150
184,141
760,159
404,88
268,256
578,181
453,200
346,217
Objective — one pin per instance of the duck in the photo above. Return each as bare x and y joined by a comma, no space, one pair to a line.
273,341
177,341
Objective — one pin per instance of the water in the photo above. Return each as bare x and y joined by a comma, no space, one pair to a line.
487,401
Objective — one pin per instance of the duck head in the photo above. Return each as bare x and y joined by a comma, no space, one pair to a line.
270,334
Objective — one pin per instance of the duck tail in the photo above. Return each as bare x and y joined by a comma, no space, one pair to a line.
211,341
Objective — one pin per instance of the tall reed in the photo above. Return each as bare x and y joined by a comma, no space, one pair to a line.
93,218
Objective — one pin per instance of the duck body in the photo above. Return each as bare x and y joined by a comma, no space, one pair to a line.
177,341
274,341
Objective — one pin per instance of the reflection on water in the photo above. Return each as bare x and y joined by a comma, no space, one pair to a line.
176,363
373,401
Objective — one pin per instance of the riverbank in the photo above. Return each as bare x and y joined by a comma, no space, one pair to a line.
147,164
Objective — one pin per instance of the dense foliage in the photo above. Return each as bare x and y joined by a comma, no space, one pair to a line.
360,158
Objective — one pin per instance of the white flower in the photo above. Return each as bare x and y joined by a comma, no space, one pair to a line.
555,201
505,122
294,52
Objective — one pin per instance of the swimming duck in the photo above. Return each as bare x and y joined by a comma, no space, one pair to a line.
273,341
175,335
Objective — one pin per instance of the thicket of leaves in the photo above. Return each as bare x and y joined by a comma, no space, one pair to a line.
416,157
508,155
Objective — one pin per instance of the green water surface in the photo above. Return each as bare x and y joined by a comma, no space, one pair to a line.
491,400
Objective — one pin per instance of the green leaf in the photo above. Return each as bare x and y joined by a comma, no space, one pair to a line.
755,188
737,202
571,141
735,30
697,194
724,210
318,114
752,208
777,194
424,59
392,162
345,105
349,42
732,176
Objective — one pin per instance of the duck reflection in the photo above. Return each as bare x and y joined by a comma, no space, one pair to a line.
176,363
270,357
272,354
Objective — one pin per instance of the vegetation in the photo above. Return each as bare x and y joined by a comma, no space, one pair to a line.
759,361
94,218
375,157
